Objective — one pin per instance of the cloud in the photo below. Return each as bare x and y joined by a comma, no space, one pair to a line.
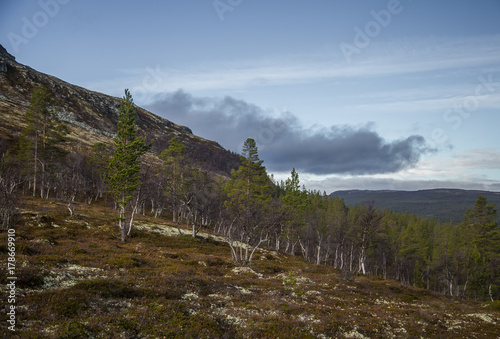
284,143
428,56
485,158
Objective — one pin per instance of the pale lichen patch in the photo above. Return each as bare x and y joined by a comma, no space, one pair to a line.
484,317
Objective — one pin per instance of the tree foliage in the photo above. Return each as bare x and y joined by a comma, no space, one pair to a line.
41,141
248,198
124,166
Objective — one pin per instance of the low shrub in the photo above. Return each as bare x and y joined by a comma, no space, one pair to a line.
29,277
109,288
74,329
123,261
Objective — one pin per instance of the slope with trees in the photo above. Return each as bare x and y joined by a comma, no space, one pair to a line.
250,209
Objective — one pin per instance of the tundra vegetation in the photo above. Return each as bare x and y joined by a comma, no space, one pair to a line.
199,254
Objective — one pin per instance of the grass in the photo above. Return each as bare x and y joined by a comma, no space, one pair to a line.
77,280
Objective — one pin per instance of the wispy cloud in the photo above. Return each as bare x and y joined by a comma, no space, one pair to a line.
486,158
381,60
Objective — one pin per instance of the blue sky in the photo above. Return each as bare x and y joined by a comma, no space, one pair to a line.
353,94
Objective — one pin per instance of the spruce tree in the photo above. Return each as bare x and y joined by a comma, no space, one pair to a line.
124,166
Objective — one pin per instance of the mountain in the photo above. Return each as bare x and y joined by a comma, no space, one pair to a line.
441,204
92,116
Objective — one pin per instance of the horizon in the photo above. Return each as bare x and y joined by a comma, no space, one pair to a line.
352,95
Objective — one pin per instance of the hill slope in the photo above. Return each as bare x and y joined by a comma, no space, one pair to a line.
441,204
75,279
92,116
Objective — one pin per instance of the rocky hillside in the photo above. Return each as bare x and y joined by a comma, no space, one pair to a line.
92,116
76,280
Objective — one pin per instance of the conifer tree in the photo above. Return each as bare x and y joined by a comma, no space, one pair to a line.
41,140
295,200
481,240
248,196
124,166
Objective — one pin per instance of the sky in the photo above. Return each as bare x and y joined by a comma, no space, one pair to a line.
352,94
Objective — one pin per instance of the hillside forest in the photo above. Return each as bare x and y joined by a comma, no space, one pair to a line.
249,208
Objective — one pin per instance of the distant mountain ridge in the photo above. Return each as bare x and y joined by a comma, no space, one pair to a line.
92,117
441,204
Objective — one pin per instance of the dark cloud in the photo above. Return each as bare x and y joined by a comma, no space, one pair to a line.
284,143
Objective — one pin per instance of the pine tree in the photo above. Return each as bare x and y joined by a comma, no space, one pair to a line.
248,196
41,140
481,241
124,166
295,200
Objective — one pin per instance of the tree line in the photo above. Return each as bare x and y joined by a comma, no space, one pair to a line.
250,209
